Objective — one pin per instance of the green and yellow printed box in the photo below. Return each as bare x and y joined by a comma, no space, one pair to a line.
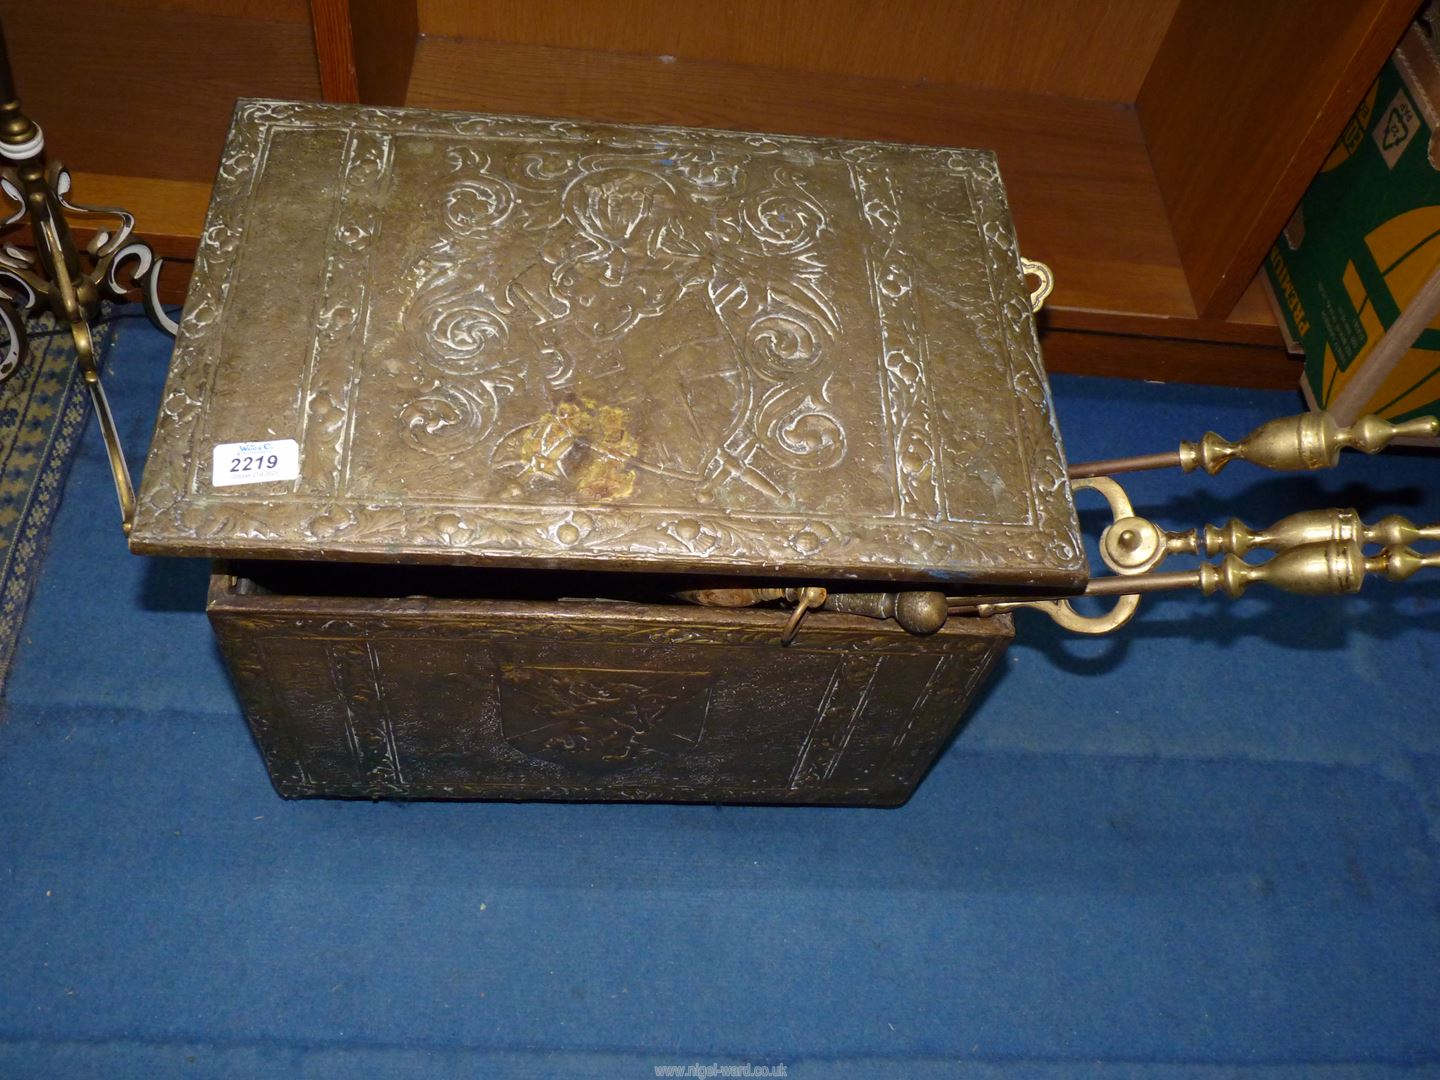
1364,247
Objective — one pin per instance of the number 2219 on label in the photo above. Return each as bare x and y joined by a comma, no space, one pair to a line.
255,462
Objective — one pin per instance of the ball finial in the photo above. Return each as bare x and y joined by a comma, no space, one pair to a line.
921,612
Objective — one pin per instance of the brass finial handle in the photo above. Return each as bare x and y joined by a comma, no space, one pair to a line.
1130,544
1400,562
1306,441
1329,568
1286,444
1308,527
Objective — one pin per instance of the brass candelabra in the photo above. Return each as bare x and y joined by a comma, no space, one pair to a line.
58,277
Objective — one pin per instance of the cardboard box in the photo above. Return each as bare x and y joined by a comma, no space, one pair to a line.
1356,273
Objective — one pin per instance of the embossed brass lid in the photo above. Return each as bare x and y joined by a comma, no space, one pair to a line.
503,341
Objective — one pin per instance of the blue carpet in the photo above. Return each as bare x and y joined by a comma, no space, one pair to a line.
43,409
1209,845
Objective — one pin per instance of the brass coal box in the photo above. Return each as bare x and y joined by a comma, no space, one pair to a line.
471,406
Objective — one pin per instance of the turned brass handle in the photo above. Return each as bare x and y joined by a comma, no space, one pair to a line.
1328,568
918,611
1309,527
1285,444
1306,441
1325,569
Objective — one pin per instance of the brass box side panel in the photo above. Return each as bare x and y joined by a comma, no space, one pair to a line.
590,701
511,341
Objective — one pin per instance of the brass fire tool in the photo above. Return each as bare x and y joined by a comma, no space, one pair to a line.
1317,552
57,277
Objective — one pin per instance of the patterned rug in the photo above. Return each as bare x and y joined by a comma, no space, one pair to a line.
43,409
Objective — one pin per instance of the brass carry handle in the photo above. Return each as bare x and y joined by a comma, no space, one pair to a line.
1045,279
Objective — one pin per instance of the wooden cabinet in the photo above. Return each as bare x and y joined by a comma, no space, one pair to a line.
1152,148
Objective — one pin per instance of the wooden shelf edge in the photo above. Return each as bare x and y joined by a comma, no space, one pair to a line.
1082,190
1212,363
169,216
1141,325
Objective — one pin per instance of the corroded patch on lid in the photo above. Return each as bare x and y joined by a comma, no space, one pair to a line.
560,344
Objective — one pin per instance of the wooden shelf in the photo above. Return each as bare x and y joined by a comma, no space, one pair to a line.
1096,319
1115,128
152,90
169,216
1082,191
1240,107
1080,183
169,213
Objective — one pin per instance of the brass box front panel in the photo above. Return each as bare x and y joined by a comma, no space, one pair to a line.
593,701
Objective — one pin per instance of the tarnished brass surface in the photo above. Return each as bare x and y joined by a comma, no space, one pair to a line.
427,698
512,341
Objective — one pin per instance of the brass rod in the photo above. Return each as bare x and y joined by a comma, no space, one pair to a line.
1116,585
1120,585
119,471
1169,459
